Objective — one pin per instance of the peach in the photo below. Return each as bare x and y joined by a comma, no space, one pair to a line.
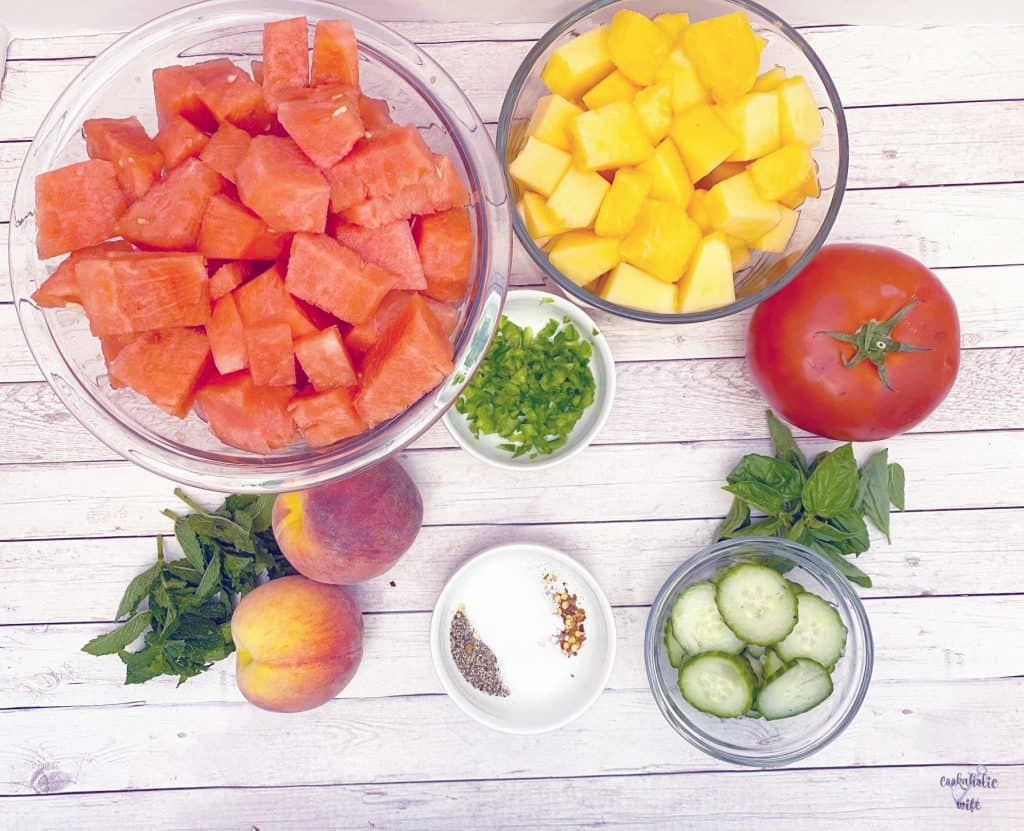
351,530
299,643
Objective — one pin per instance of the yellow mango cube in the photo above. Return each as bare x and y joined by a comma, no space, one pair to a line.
687,89
777,239
637,46
616,87
736,207
725,53
669,180
783,171
550,121
540,222
583,256
795,198
697,210
575,67
577,199
799,118
770,80
703,138
654,106
609,137
708,283
672,23
662,240
755,119
622,203
631,287
740,257
539,166
725,170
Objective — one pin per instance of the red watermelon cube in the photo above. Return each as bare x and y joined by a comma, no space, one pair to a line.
61,287
228,277
324,122
77,206
165,366
390,246
285,58
234,98
264,299
257,72
445,245
335,53
111,346
380,167
230,232
178,140
278,182
360,339
226,149
176,90
375,114
246,416
125,143
271,357
325,360
326,417
438,190
227,336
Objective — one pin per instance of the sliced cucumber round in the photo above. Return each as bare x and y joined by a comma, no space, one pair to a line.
754,650
801,685
718,683
697,624
756,603
795,587
819,633
676,653
772,663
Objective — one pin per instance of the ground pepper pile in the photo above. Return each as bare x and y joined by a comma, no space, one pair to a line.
473,658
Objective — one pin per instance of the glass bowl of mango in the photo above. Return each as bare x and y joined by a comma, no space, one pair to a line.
673,161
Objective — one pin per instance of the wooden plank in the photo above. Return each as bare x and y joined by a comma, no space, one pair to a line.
369,740
779,800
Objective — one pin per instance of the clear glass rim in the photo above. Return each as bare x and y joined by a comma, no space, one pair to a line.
820,569
208,469
541,259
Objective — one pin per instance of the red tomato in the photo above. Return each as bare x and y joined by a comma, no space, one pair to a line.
895,358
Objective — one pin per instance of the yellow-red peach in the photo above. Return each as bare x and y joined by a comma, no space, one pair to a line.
351,530
298,643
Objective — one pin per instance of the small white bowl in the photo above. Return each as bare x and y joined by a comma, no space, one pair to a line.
527,307
547,689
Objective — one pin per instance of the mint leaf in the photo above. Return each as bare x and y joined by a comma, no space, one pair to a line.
737,518
765,483
832,487
211,579
897,486
118,639
137,590
189,542
785,445
873,491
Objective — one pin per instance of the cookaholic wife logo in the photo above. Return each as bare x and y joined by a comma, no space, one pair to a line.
967,788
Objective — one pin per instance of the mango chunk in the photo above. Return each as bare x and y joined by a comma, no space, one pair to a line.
697,210
577,199
662,240
725,170
540,222
654,106
583,256
740,257
703,138
610,136
637,46
755,119
687,90
795,198
539,166
622,203
550,121
799,118
672,23
669,180
616,87
708,283
725,53
767,81
783,171
736,207
575,67
777,239
629,286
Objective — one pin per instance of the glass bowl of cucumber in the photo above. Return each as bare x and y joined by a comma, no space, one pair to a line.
758,651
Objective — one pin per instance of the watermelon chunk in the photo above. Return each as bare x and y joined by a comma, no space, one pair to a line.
111,346
257,72
180,140
125,143
335,53
170,215
410,360
375,114
234,98
445,245
278,182
230,232
324,122
285,57
226,149
61,287
390,246
271,358
336,279
77,206
246,416
227,337
438,190
325,360
176,90
165,366
227,278
264,299
326,417
380,167
360,339
137,291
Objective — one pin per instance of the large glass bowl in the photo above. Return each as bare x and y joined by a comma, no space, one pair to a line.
785,47
117,83
756,742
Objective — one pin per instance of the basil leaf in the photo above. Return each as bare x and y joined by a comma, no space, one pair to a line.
897,486
137,590
785,446
211,579
767,527
846,531
738,517
873,491
832,487
765,483
848,569
119,638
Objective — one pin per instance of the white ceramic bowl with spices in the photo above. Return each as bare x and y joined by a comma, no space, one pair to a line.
511,598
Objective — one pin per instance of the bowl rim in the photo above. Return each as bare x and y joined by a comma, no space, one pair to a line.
543,262
228,469
818,567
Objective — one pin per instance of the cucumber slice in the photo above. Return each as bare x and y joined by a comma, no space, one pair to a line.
772,663
819,633
795,587
697,624
718,683
754,650
799,686
756,665
756,603
676,653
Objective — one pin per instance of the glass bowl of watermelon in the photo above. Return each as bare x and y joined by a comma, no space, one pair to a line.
259,246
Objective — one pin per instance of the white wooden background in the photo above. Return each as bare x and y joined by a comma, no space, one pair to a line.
935,93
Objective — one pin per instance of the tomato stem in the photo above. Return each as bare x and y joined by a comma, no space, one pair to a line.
874,341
